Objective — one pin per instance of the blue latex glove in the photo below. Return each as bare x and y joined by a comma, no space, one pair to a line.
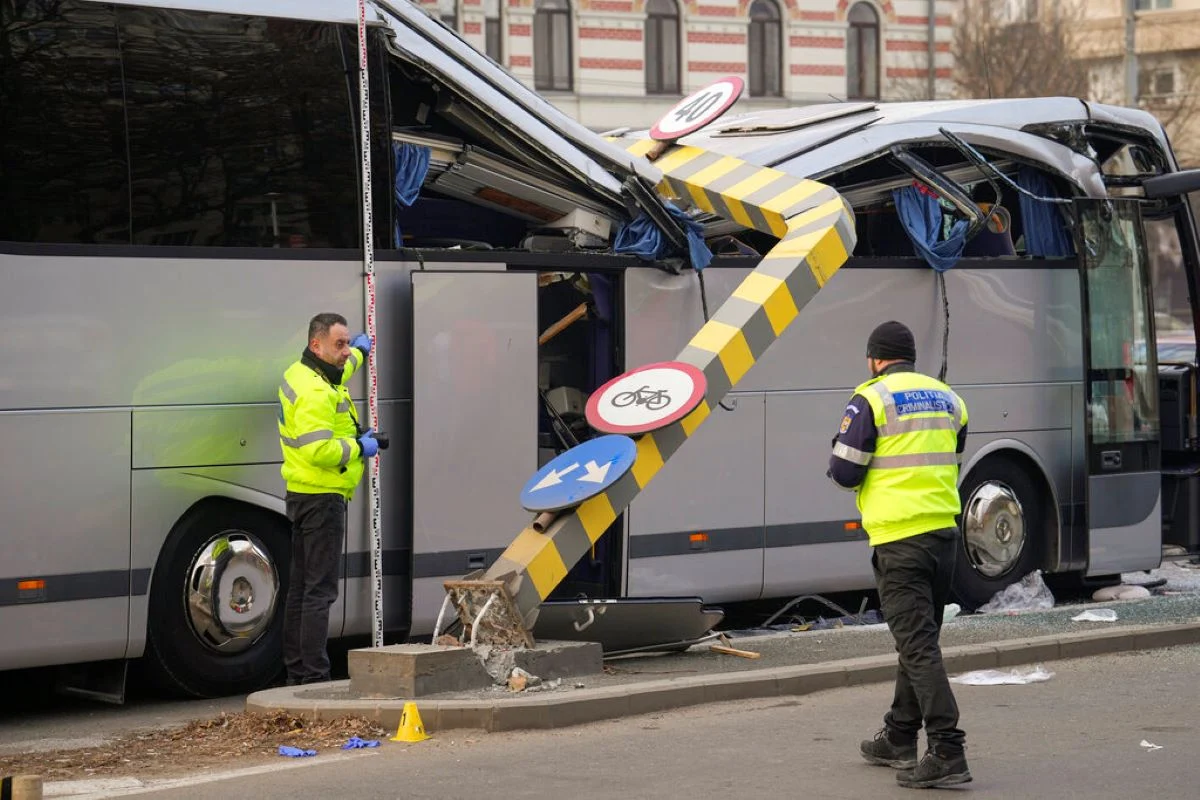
362,342
356,742
295,752
367,441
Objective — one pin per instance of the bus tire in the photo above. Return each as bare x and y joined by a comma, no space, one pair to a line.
1002,522
201,642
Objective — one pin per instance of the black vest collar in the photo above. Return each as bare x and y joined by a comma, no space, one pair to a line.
313,362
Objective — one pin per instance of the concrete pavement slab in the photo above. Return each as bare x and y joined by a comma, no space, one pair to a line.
789,664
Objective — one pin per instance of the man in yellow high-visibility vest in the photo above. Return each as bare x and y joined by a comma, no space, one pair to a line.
899,448
324,453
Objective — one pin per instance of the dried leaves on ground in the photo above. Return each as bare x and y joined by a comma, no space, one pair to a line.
224,742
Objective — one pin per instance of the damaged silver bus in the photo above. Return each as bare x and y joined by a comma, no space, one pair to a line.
179,208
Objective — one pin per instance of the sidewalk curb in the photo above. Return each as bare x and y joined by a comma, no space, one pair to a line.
579,706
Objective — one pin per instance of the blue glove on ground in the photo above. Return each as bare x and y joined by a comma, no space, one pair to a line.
295,752
362,342
367,441
356,742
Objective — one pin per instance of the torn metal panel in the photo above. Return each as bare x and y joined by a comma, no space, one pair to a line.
628,624
1132,118
507,102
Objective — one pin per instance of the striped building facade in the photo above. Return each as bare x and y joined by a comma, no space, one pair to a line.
609,63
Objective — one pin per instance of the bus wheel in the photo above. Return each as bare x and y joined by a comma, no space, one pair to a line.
216,602
1002,517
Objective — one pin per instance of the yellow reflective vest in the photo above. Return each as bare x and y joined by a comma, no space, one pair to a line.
912,478
318,430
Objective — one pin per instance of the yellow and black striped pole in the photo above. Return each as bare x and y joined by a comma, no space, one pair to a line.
815,227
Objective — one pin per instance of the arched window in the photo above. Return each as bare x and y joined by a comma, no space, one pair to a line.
552,59
662,47
862,53
765,50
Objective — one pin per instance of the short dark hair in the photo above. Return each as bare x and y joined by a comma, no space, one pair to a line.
321,323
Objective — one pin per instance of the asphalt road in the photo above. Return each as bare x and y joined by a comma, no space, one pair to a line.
1077,735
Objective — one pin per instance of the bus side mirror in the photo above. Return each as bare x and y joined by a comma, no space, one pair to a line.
1171,184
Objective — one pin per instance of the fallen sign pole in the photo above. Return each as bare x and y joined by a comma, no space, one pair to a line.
815,228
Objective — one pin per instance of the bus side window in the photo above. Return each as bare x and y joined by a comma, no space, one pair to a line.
241,131
63,172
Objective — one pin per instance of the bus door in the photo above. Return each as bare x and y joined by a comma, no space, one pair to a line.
475,405
1121,425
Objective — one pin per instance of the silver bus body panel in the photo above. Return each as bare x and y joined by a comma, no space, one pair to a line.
66,521
1130,536
1025,322
475,366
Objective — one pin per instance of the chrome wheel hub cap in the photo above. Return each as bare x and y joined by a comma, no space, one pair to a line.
993,529
232,591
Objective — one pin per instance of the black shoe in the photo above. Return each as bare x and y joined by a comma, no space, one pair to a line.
882,750
936,770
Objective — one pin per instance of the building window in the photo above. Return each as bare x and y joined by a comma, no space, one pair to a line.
1156,84
552,60
492,42
491,39
1150,5
448,13
662,47
862,53
64,178
765,50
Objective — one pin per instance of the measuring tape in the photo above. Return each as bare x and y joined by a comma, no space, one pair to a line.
364,98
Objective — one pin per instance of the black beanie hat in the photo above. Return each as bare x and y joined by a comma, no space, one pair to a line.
892,340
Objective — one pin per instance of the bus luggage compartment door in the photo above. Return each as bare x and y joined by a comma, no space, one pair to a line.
1122,428
475,422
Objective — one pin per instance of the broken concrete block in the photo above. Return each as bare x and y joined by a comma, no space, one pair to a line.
551,659
414,670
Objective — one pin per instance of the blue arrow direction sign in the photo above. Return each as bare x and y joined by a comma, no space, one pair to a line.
583,471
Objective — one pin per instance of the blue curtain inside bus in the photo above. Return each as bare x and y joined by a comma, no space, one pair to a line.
412,163
1045,227
921,216
643,238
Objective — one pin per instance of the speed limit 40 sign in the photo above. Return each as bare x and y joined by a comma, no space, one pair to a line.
698,109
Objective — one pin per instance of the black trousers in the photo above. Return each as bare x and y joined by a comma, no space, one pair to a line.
913,577
318,529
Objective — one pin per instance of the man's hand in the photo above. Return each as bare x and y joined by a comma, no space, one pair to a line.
368,444
362,342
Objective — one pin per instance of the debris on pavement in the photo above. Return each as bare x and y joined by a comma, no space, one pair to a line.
211,742
727,648
1028,594
519,679
1122,592
1150,747
1010,677
1098,615
950,612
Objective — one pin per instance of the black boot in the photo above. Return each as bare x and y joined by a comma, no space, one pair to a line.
885,751
936,769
